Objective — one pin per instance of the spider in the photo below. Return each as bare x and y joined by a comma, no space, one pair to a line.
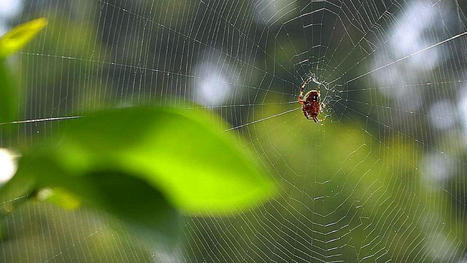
311,102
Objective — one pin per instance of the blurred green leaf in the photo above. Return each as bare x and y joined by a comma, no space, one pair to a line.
198,166
19,36
138,163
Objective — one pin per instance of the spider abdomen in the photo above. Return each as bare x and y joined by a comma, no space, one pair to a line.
311,107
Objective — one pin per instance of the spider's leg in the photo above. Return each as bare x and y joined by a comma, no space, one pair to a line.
300,97
302,87
323,105
315,119
304,113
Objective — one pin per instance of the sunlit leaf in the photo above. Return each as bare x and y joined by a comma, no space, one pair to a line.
185,154
19,36
140,164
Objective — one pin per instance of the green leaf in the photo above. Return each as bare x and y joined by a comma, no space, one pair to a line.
139,164
185,154
19,36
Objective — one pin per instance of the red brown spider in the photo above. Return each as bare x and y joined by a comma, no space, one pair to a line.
311,102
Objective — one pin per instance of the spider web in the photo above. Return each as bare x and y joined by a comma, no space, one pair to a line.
382,179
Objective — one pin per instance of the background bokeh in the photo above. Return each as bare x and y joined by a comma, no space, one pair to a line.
382,179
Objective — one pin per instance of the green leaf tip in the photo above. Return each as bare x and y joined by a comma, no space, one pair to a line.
19,36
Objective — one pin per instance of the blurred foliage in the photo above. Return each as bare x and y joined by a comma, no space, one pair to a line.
10,43
138,163
172,149
8,93
84,53
99,241
19,36
371,190
363,182
59,197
